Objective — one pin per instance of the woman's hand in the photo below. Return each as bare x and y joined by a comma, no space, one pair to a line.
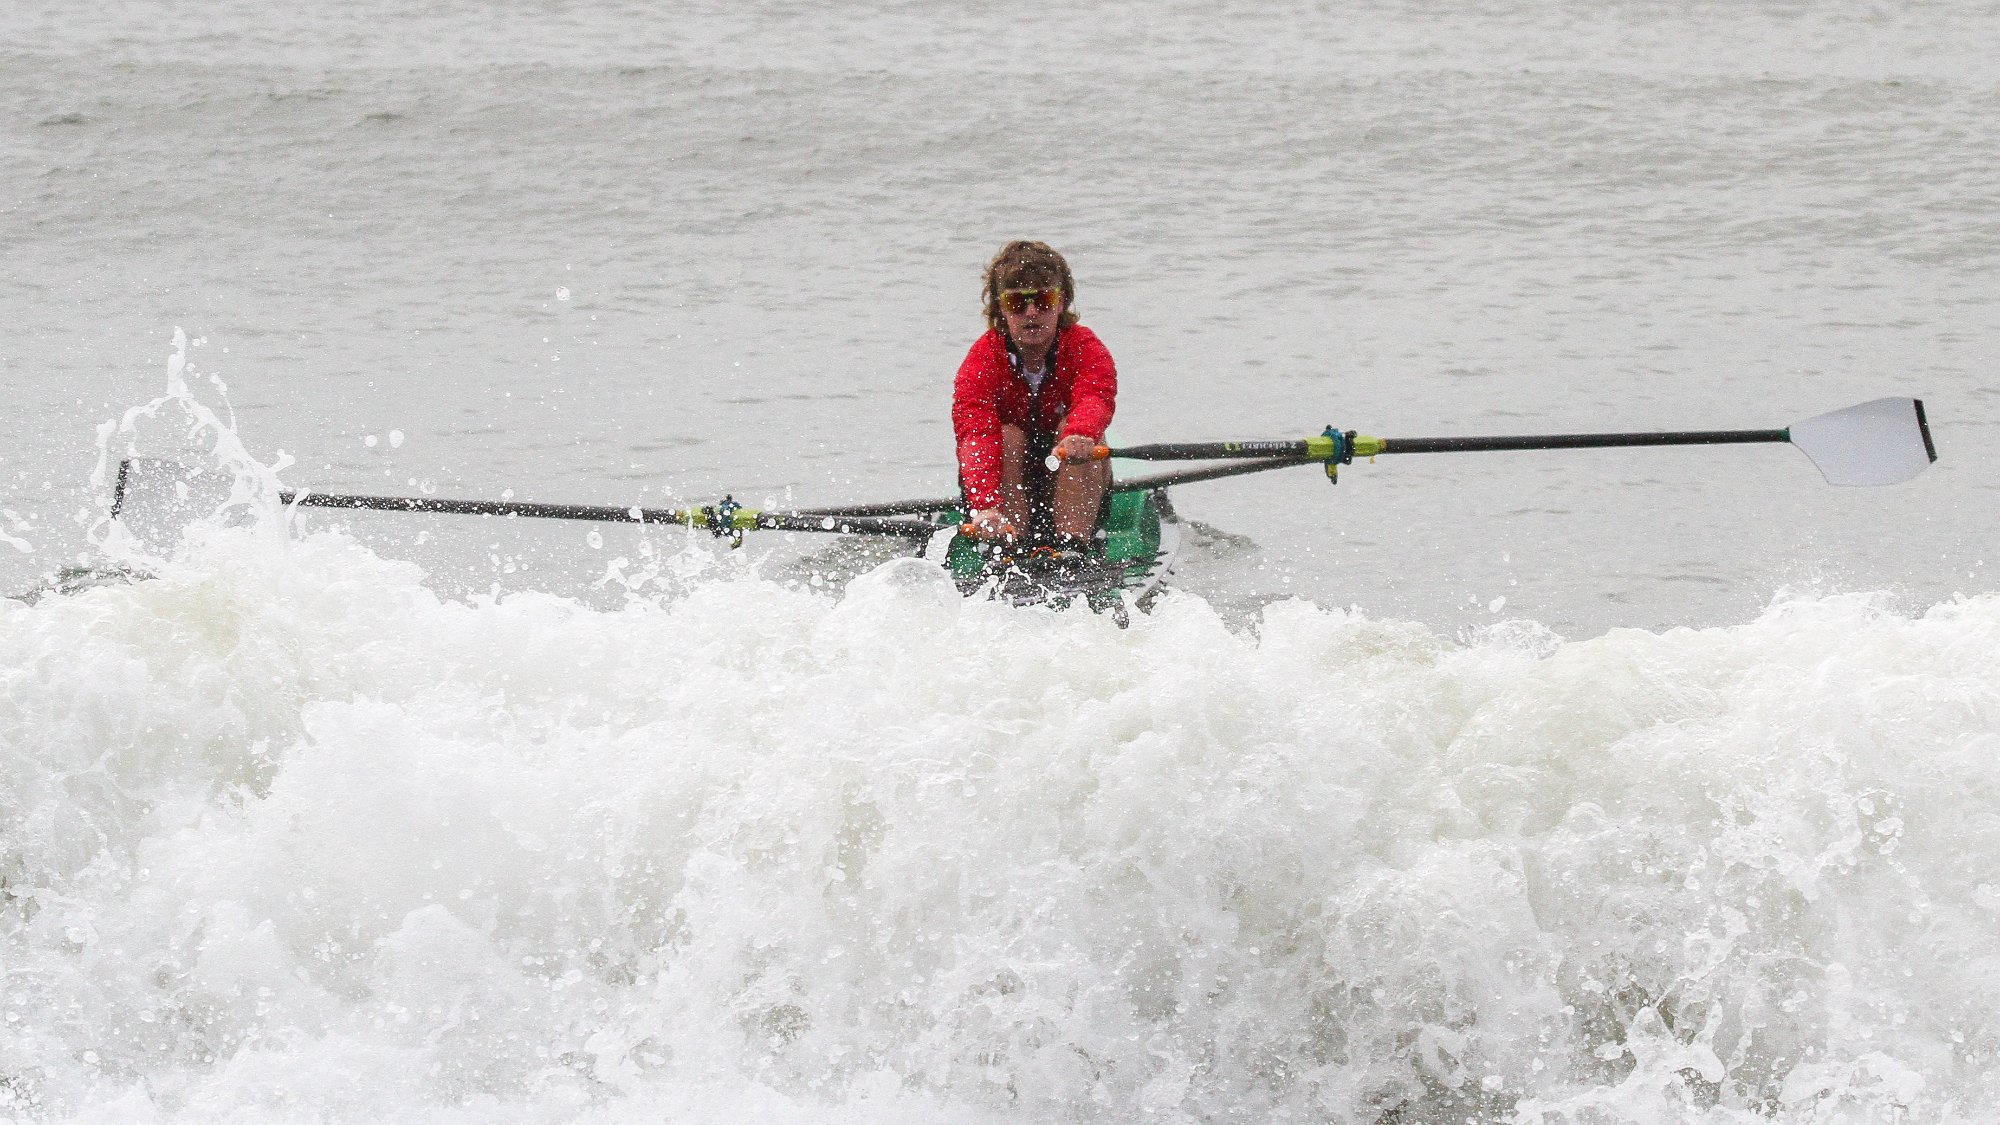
1076,447
990,523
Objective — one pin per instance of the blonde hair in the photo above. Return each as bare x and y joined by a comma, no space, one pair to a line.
1023,264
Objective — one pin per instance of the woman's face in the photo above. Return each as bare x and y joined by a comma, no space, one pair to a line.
1032,313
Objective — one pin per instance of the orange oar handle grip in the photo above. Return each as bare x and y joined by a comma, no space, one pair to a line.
1097,453
971,531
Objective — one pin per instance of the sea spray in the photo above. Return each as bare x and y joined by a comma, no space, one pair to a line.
288,836
231,485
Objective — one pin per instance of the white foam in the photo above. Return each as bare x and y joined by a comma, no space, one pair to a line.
290,837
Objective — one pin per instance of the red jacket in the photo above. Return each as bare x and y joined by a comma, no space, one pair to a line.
1076,398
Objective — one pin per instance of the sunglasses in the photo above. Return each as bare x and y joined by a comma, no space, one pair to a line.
1017,301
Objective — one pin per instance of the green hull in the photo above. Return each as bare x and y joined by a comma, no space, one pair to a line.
1141,538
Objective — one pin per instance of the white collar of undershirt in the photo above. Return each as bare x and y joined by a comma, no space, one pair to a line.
1036,377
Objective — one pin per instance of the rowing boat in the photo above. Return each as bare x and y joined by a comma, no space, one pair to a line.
1881,442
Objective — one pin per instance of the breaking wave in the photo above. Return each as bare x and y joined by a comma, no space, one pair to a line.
286,835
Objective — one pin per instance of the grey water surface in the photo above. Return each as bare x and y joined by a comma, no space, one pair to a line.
649,254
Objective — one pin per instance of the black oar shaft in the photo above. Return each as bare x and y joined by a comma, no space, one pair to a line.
1147,483
1578,441
770,521
846,525
479,507
1210,450
1262,456
1214,472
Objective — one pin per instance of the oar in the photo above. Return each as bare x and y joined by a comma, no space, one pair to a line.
726,518
1885,441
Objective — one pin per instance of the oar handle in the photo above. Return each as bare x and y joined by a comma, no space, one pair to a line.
1097,453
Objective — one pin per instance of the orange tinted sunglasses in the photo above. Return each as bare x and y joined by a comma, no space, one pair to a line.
1016,301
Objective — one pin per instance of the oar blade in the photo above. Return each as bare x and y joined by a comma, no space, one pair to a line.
1886,441
157,500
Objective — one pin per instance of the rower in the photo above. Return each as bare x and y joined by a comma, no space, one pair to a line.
1036,383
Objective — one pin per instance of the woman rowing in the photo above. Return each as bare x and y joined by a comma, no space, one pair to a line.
1036,383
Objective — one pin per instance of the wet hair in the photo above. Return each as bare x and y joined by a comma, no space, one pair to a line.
1022,264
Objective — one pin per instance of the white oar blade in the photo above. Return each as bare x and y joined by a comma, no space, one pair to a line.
1885,441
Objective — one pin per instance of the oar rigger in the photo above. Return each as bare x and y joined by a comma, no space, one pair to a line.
1338,447
721,520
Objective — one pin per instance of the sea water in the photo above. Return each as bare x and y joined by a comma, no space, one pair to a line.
1621,786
